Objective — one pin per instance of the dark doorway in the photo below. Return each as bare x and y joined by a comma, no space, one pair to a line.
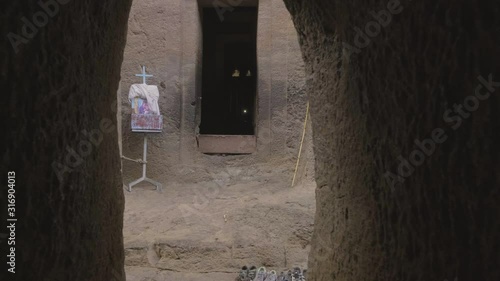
229,72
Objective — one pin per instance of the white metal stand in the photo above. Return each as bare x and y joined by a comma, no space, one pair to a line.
158,185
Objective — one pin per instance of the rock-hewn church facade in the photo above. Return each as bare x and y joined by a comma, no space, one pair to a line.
193,49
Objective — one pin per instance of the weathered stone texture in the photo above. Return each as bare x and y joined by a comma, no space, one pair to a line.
61,82
369,107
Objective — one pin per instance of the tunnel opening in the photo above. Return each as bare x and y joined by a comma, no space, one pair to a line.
208,198
229,72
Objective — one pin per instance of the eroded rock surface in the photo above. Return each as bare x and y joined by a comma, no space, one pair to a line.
369,105
59,92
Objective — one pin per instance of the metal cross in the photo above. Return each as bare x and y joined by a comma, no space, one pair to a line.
144,75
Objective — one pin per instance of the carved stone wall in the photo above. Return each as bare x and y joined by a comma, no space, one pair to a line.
407,88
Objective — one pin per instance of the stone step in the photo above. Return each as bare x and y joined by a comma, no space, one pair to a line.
150,274
202,257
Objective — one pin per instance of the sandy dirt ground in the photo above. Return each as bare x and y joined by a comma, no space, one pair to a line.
209,230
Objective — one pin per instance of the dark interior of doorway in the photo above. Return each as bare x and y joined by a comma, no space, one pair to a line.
229,71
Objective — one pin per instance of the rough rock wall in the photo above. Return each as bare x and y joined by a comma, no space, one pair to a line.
165,35
59,81
412,76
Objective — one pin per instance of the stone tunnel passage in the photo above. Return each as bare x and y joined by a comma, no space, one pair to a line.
369,103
